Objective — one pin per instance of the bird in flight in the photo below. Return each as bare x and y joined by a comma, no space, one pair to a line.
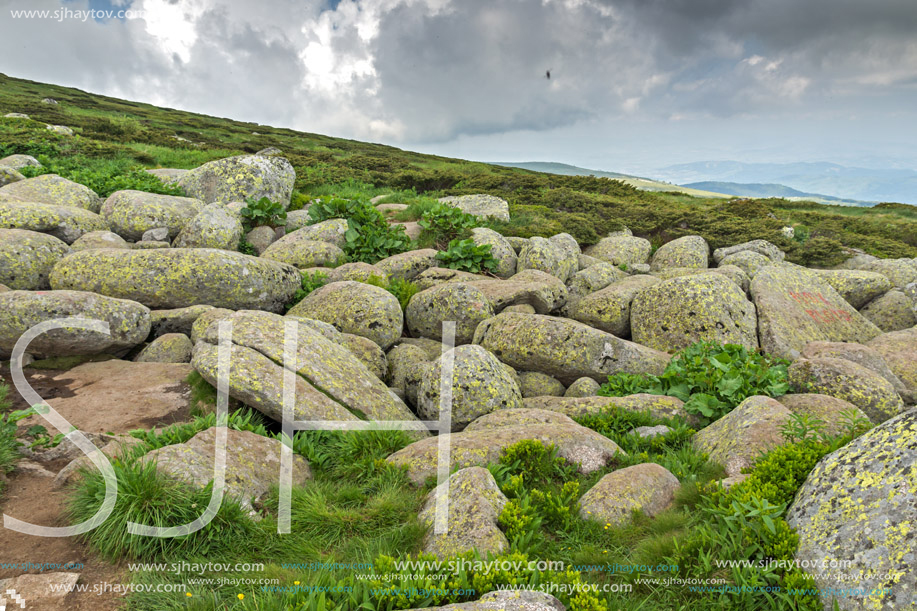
547,75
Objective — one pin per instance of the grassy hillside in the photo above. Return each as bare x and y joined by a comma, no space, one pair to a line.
116,136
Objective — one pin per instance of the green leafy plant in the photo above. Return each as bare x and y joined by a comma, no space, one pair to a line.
402,289
310,282
369,237
466,256
443,223
9,445
263,212
245,247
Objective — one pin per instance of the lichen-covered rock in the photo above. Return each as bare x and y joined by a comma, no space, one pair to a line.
761,247
500,248
796,306
899,349
408,265
583,387
128,322
203,320
549,257
609,309
475,503
518,243
178,320
748,261
480,385
857,353
354,307
830,410
213,227
522,308
589,280
133,213
737,439
252,463
537,384
54,190
544,292
515,600
9,176
463,303
729,271
893,311
621,250
260,238
180,277
294,249
360,272
659,406
564,348
27,257
676,313
857,287
168,348
849,381
66,223
522,416
482,206
331,231
689,251
367,352
61,130
99,239
649,488
900,272
441,275
17,162
856,511
169,176
404,365
238,178
478,447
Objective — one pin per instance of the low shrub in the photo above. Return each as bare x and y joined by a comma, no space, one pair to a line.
443,223
257,213
369,237
310,282
466,256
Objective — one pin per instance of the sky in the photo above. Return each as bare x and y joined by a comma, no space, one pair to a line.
635,85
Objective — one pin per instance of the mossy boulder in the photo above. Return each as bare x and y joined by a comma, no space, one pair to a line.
482,206
621,250
893,311
27,257
795,306
515,600
407,265
406,367
367,352
128,322
564,348
583,387
748,261
361,272
132,213
537,384
522,416
900,272
54,190
690,251
544,292
547,256
676,313
354,307
462,303
830,410
475,503
658,406
761,247
441,275
9,176
17,162
609,309
846,380
737,439
168,348
178,320
294,249
588,280
63,222
500,248
99,239
213,227
252,463
729,271
331,231
858,353
857,287
236,179
856,510
648,488
899,349
481,384
180,277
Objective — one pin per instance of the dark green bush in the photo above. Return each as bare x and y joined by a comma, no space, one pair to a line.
257,213
369,237
466,256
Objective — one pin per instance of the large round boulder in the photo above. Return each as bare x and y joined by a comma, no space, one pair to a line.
648,487
133,213
547,256
236,179
609,309
900,272
621,250
99,239
761,247
332,231
27,257
846,380
407,265
899,349
355,307
295,249
588,280
54,190
500,248
542,291
180,277
893,311
482,206
66,223
857,287
213,227
464,304
689,251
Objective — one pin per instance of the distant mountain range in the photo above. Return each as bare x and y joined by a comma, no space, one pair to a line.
830,179
773,190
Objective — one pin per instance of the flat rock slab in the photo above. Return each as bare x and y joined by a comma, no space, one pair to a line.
47,591
516,600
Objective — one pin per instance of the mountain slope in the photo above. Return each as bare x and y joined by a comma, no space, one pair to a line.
772,190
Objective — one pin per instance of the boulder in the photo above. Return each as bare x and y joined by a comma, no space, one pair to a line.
857,353
408,265
648,488
179,320
690,251
761,247
676,313
204,319
331,231
168,348
156,234
252,463
795,307
748,261
441,275
66,223
482,206
128,321
544,292
45,591
517,242
855,510
297,219
737,439
589,280
180,277
61,130
729,271
583,387
621,250
213,227
537,384
660,407
893,311
54,190
609,309
514,600
463,303
849,381
899,349
475,503
293,249
355,307
99,239
169,176
240,178
406,367
576,444
831,410
9,176
900,272
260,238
27,257
17,162
367,352
361,272
564,348
480,385
500,248
548,256
133,213
523,416
857,287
